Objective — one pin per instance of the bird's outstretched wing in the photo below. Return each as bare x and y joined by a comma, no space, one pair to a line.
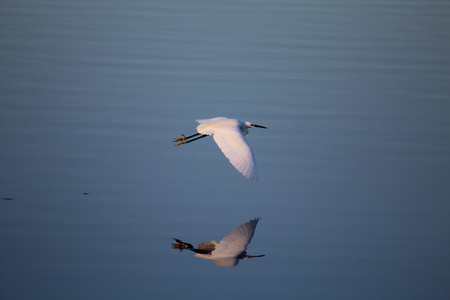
236,242
235,148
228,136
212,120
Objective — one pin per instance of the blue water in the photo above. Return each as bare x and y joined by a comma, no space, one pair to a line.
354,165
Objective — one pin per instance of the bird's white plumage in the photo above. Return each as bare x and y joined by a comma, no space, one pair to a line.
232,247
229,136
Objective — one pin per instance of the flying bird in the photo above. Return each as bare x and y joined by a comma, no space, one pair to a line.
229,136
229,250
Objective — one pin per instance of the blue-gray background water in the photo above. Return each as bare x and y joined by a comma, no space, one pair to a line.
355,163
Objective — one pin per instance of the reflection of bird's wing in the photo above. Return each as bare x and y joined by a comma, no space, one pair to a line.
226,262
229,138
231,246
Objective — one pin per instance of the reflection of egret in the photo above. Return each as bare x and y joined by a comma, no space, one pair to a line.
229,136
231,248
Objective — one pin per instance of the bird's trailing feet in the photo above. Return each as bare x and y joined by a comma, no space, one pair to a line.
184,139
180,245
180,140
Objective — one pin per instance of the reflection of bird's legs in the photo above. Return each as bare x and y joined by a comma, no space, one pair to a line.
180,245
182,140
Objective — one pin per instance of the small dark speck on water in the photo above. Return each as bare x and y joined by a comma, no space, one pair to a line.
7,198
86,193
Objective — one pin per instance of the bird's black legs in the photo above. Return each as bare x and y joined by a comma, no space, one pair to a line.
188,137
183,139
202,136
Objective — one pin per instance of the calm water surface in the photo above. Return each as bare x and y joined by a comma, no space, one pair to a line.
355,165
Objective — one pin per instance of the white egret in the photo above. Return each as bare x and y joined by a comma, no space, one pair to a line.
229,136
229,250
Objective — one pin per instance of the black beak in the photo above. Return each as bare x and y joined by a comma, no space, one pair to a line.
259,126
